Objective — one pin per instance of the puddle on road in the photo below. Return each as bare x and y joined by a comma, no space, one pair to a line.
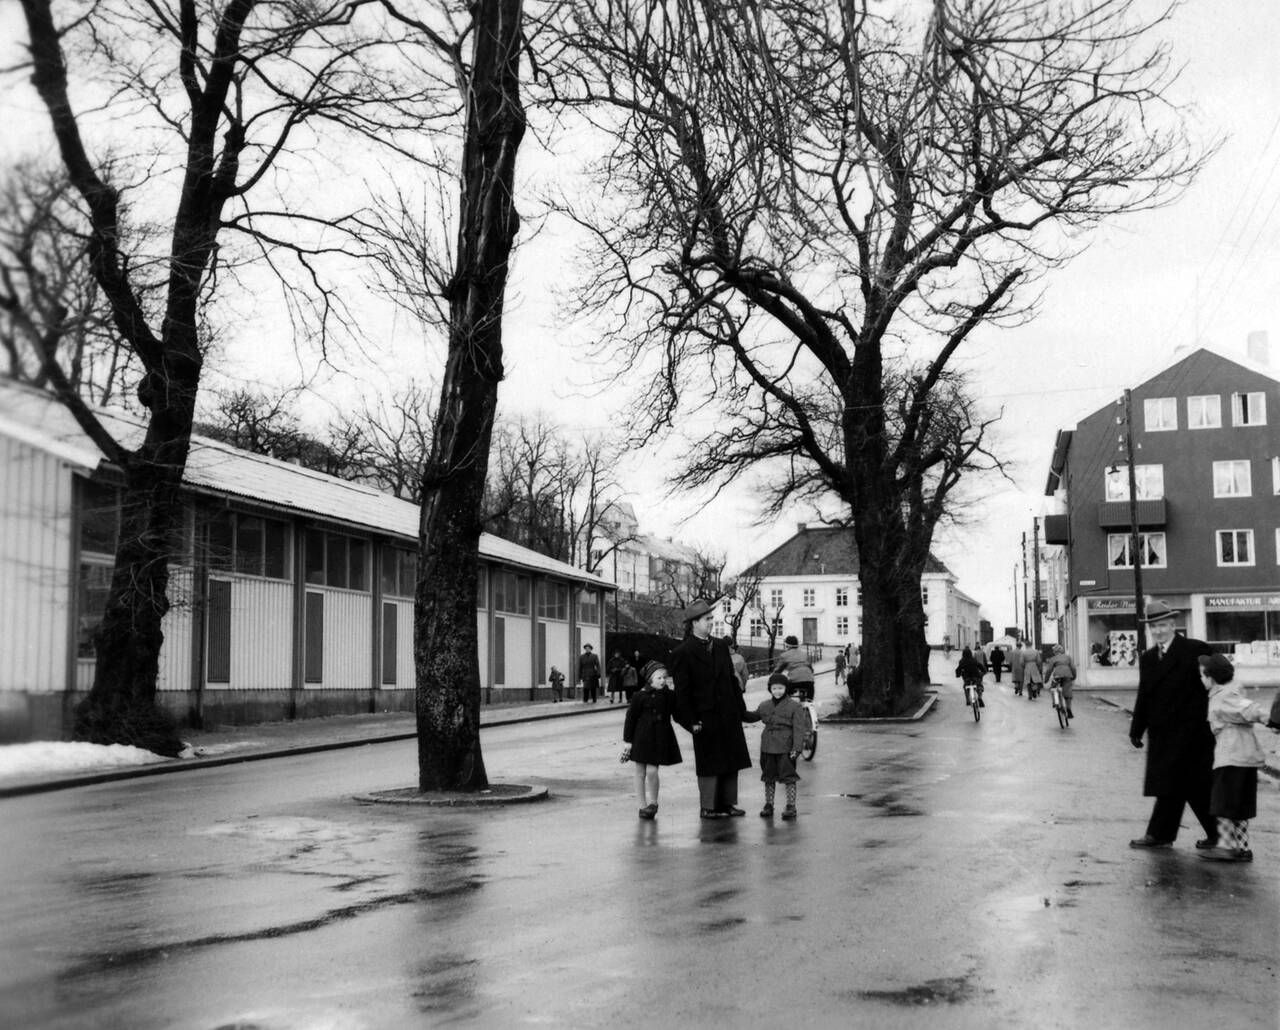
947,991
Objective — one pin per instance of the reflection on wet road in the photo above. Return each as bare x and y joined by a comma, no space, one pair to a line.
941,874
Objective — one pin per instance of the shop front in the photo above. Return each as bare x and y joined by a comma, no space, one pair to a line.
1244,626
1110,638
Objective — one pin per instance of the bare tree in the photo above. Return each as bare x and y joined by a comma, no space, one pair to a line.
743,594
806,199
698,577
221,93
52,311
465,296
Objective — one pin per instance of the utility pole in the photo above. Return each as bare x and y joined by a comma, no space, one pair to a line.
1035,552
1135,537
1026,615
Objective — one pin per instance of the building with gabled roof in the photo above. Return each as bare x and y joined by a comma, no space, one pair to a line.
293,594
1206,435
809,587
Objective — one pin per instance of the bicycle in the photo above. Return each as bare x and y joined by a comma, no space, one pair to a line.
973,698
810,746
1059,705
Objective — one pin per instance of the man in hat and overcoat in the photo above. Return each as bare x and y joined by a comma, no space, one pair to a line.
709,705
1172,710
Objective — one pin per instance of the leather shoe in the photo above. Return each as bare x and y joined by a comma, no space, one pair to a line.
711,813
1148,841
731,810
1204,843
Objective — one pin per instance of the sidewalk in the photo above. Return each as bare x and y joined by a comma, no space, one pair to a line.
228,745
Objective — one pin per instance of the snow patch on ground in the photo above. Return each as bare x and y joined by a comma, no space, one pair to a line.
52,756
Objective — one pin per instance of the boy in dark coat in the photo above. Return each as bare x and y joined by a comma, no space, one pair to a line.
785,726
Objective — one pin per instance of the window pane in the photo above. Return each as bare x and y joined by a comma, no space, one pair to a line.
95,584
249,540
358,563
275,561
315,556
221,538
99,518
389,581
335,563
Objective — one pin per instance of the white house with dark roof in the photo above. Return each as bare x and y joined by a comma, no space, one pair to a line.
810,585
293,594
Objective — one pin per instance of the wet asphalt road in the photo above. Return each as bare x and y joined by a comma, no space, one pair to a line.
941,874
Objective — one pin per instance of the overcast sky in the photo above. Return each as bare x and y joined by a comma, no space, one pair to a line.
1207,268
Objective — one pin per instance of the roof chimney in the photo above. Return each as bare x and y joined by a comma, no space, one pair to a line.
1258,348
802,526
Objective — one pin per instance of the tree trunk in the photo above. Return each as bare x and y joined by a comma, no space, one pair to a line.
446,662
121,707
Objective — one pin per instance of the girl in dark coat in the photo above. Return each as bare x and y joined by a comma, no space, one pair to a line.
970,671
649,740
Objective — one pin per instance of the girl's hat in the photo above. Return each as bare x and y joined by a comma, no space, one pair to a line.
650,668
790,641
779,677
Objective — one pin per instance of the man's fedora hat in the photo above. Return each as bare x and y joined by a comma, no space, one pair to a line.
697,610
1158,610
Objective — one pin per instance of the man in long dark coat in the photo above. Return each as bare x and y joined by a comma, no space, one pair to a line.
709,705
1172,710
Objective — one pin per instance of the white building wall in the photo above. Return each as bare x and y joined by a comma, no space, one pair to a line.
35,573
262,635
405,672
482,643
176,652
519,656
348,640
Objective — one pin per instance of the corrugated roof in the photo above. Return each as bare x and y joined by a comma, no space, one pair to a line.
40,420
822,551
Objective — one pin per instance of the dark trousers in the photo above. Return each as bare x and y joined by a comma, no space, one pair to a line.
589,689
996,669
719,793
1166,814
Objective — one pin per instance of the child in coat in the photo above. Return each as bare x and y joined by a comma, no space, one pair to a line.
1237,756
647,736
785,725
557,684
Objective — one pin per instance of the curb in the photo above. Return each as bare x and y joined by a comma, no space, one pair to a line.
495,795
191,764
926,706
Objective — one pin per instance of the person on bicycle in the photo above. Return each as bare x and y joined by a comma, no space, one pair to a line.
1060,671
794,664
785,726
970,672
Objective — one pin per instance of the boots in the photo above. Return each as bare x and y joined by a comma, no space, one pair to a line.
790,811
767,811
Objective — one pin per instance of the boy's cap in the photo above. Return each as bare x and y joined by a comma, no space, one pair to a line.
1217,667
779,677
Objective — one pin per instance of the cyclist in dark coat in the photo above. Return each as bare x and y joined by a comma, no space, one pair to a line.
970,671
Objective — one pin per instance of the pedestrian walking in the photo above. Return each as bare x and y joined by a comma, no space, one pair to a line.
1032,671
556,677
648,739
980,656
589,675
616,665
785,726
1172,712
997,661
709,705
1237,757
630,680
1015,667
841,663
1061,670
794,663
970,672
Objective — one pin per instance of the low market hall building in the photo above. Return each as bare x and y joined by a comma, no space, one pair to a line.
292,594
